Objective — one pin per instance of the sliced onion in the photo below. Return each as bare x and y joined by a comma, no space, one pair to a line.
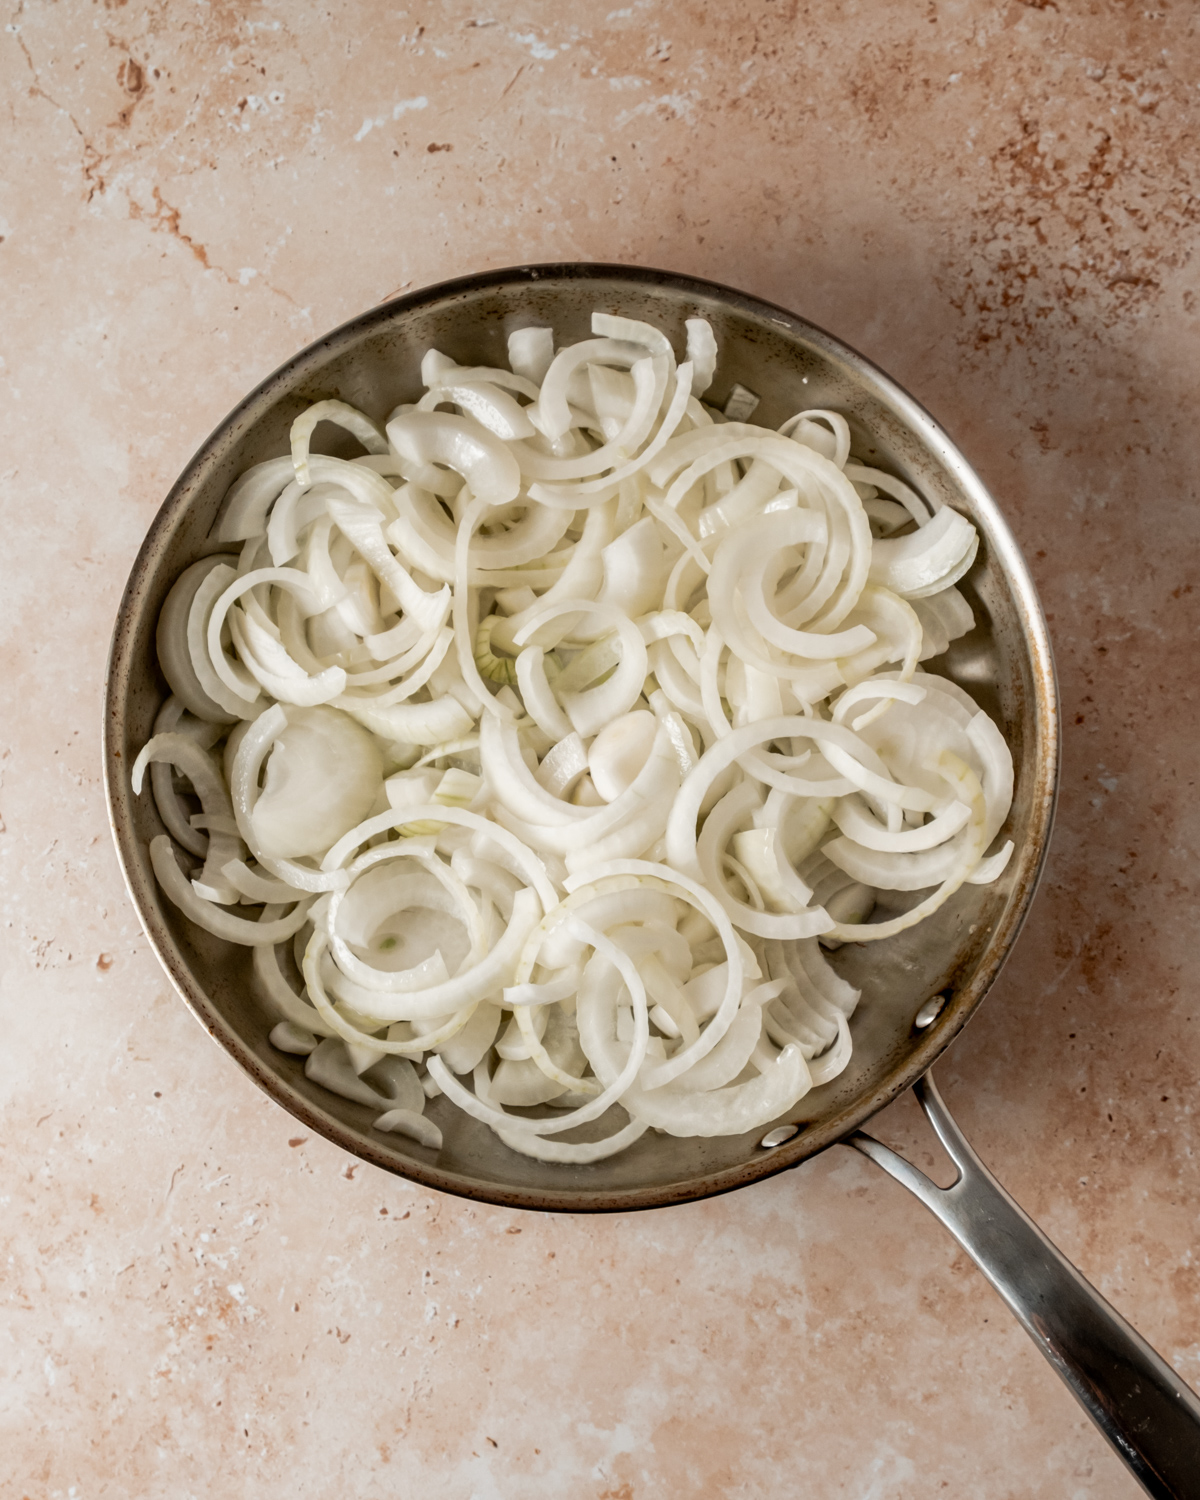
926,560
211,917
338,412
244,511
676,655
463,445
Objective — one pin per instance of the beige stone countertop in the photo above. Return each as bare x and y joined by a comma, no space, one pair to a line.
998,202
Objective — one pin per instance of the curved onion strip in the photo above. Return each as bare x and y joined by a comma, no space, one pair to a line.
485,978
833,739
290,578
531,867
210,916
831,1063
856,823
657,877
650,382
734,808
355,422
756,492
917,508
175,642
564,494
924,561
594,707
244,510
511,780
491,407
346,1029
568,1152
365,975
360,521
837,424
886,690
282,997
537,695
462,444
201,770
170,719
424,532
412,683
726,1111
551,409
433,723
284,678
650,792
966,788
464,624
211,681
739,566
605,950
438,368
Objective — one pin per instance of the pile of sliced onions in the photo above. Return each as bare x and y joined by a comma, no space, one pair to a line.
539,752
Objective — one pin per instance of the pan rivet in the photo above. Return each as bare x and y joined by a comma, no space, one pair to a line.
780,1134
929,1012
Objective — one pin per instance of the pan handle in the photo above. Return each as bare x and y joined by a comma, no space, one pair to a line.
1136,1399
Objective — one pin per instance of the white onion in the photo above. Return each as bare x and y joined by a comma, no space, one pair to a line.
565,722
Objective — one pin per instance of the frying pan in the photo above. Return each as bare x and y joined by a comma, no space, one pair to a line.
919,988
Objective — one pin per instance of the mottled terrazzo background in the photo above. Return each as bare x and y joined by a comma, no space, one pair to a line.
998,202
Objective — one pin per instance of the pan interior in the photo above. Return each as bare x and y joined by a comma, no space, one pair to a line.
373,362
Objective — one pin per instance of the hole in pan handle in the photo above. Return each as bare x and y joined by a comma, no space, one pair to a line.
1148,1414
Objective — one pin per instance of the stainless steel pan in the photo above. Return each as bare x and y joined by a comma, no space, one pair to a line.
940,969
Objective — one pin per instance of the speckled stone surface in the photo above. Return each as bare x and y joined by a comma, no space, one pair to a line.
998,202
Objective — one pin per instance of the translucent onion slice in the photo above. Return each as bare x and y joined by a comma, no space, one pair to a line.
510,778
530,867
172,718
826,432
642,808
236,678
530,353
244,509
343,415
202,771
660,877
590,710
424,532
650,379
927,560
208,915
917,508
681,1111
723,821
462,444
204,697
362,525
279,994
540,702
605,950
622,441
552,411
966,788
487,977
490,406
701,353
